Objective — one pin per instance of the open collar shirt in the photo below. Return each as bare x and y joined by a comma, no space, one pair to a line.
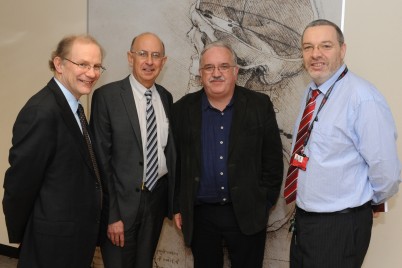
352,148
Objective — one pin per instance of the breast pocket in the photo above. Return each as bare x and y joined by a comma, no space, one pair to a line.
164,132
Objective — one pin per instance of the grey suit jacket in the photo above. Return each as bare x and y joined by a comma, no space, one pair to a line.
114,123
255,165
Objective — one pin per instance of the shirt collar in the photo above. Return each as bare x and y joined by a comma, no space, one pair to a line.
72,101
139,89
205,103
325,87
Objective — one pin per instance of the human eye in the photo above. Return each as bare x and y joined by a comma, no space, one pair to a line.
84,66
307,48
156,55
326,46
209,68
97,68
142,54
224,67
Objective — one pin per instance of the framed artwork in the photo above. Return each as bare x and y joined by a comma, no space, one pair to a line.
266,37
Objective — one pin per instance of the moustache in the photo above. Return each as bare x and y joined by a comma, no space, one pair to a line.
213,79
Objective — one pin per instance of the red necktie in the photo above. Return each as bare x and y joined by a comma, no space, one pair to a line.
293,172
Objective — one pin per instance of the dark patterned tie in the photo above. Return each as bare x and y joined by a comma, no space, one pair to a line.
84,126
151,174
293,172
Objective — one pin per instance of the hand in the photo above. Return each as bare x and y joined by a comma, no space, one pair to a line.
177,220
376,214
115,232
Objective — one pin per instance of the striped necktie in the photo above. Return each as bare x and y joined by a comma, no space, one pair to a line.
293,172
84,126
151,174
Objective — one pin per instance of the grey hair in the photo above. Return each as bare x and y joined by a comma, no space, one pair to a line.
321,22
223,44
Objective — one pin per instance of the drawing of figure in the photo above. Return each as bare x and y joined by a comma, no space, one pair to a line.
266,38
265,35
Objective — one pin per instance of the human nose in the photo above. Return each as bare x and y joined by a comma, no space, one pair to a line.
216,71
149,59
316,52
91,72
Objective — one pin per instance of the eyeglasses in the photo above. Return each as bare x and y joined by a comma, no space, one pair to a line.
83,66
321,47
223,68
143,54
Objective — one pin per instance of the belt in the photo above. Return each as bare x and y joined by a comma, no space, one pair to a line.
343,211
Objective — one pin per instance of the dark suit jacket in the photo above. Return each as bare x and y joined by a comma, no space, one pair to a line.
51,201
115,124
255,166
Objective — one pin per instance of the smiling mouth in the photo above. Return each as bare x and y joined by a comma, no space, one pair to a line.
149,70
89,83
317,65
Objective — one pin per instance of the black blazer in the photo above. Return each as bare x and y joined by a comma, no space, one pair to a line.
52,201
114,123
255,165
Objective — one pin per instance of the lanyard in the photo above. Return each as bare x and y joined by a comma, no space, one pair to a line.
324,100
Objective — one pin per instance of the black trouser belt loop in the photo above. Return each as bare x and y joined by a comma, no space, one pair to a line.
343,211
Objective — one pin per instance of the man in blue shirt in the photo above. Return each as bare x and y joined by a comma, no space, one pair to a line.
230,165
350,158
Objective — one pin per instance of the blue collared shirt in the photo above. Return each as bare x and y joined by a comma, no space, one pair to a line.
352,148
213,187
72,101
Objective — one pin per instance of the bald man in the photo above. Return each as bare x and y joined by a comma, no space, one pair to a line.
135,207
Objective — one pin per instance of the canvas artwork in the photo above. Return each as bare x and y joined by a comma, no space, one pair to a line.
266,38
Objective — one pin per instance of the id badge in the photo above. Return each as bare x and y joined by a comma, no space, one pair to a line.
299,161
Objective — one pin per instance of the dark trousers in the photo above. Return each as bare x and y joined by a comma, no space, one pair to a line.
141,239
331,240
215,226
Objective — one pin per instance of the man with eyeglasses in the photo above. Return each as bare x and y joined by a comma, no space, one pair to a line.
138,164
344,160
230,167
52,190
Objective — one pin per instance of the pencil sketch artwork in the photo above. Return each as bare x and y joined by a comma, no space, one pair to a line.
266,38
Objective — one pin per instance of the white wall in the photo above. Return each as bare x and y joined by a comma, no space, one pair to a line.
30,30
374,50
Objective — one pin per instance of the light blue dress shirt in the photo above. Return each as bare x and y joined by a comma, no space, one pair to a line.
352,148
72,101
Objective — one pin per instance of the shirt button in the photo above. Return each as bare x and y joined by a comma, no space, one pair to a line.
221,157
221,142
221,127
224,199
221,173
223,188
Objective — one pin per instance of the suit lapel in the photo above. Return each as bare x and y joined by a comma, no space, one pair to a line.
194,114
240,106
129,102
70,121
165,101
